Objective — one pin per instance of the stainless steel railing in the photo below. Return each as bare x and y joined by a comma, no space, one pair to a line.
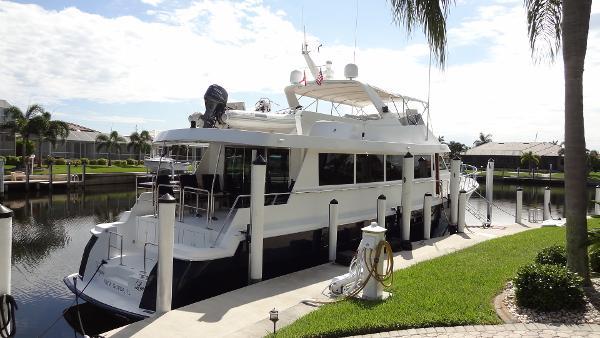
145,256
110,246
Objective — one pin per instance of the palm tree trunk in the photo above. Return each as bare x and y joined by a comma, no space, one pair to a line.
109,160
575,26
23,151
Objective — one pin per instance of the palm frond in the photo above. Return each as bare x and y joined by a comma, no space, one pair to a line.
431,15
544,18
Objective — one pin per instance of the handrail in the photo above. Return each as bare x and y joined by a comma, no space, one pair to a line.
195,191
110,233
233,206
145,245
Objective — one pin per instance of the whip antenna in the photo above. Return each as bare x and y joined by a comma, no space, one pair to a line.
355,31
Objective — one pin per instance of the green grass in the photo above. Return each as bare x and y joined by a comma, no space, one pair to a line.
62,169
456,289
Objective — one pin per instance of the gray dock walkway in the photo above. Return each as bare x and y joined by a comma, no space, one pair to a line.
244,312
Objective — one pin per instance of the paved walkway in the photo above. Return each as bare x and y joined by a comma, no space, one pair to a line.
506,330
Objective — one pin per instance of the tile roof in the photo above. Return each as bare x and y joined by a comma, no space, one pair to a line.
515,149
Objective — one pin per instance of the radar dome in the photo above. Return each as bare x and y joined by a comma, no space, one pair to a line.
296,76
351,71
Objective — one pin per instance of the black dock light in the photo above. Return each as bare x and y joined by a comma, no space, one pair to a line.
274,317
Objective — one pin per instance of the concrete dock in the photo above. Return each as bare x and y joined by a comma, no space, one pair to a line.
244,312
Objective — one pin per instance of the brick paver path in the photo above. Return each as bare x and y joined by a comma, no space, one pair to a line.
506,330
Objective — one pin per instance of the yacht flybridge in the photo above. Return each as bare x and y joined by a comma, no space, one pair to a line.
353,153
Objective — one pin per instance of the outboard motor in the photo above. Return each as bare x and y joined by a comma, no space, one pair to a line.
215,101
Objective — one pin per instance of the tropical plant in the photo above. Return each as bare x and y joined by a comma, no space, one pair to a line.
140,143
456,148
554,22
530,159
20,123
441,139
49,131
111,142
557,22
483,139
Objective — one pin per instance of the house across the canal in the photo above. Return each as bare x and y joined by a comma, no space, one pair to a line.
508,154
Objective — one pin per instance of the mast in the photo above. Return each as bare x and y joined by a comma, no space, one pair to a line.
309,61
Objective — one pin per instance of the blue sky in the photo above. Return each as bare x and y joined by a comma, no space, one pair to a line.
146,63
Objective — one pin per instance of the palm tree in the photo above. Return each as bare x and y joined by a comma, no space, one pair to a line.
111,142
49,131
552,21
441,139
530,159
567,22
483,139
22,124
456,148
140,143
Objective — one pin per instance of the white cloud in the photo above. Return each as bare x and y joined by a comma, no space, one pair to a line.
152,2
249,47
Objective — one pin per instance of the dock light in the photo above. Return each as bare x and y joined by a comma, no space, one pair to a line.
274,317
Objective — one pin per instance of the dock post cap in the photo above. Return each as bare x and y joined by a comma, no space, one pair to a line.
333,201
456,158
408,154
428,194
491,160
381,197
259,160
547,188
462,191
5,212
167,198
519,189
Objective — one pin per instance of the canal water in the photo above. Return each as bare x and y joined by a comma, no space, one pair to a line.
50,232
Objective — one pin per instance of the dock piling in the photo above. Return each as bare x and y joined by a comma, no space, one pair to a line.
407,182
462,207
83,169
5,266
68,174
454,190
166,220
333,227
519,210
597,201
546,215
427,216
50,178
381,205
489,187
257,217
1,177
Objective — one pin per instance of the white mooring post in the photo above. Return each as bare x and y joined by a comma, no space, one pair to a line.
166,229
372,235
489,187
408,172
68,174
1,176
454,189
427,215
5,257
381,205
519,210
257,217
597,202
83,170
333,227
546,215
462,207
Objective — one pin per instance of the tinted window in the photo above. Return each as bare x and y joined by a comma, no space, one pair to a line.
336,169
393,169
369,168
422,166
278,170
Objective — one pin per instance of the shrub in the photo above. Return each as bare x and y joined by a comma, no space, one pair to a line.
547,287
595,260
13,160
117,163
3,159
60,161
131,161
85,160
76,162
102,161
93,162
555,255
49,159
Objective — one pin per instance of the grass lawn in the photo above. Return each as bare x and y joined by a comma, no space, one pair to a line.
456,289
62,169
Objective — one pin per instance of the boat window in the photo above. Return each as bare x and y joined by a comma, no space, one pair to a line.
393,169
278,170
336,169
422,166
369,168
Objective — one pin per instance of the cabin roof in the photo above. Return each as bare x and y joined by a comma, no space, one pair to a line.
515,149
350,92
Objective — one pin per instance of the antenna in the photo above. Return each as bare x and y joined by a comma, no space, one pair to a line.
355,32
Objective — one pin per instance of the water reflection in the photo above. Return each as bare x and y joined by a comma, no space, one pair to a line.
49,234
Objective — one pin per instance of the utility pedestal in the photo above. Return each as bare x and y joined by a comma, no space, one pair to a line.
371,236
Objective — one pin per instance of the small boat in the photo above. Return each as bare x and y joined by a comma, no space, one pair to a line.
154,164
